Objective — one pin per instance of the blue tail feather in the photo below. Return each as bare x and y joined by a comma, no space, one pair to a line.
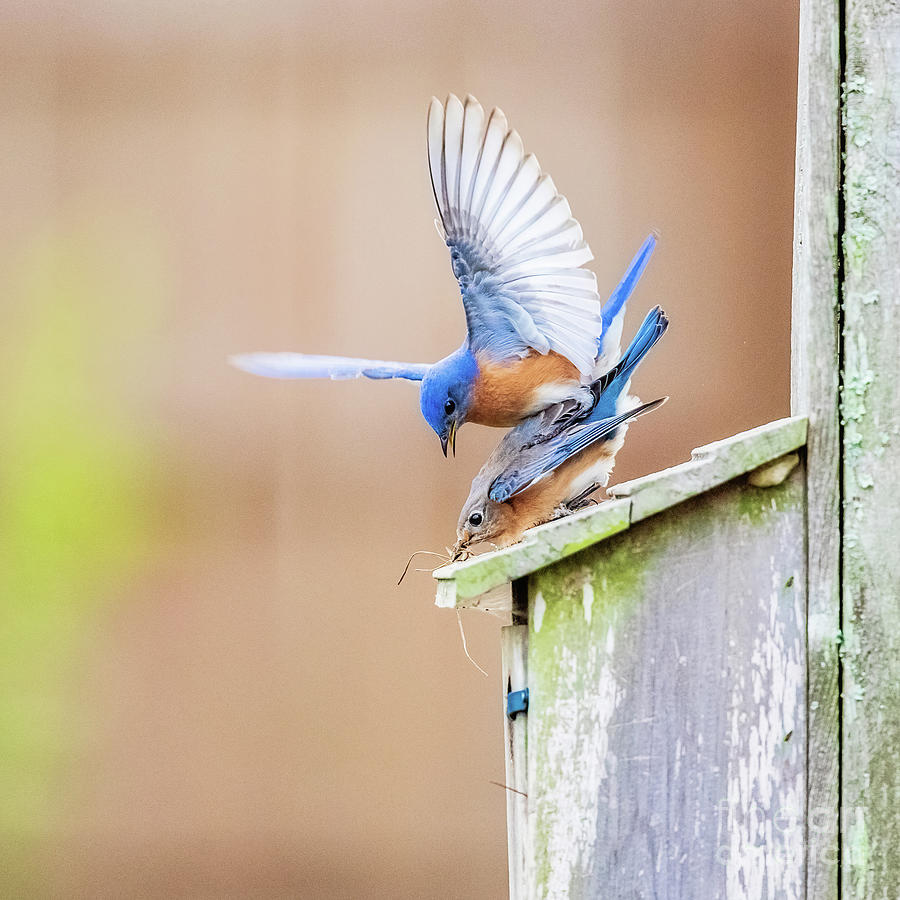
652,329
626,286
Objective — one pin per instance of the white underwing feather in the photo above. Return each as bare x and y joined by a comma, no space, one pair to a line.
453,119
494,136
542,231
505,217
435,144
507,167
556,280
559,257
524,184
473,133
530,213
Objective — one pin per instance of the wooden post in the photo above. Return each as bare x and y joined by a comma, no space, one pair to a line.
845,370
870,410
815,365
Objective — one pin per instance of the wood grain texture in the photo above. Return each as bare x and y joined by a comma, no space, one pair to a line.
815,365
870,824
712,465
514,645
667,725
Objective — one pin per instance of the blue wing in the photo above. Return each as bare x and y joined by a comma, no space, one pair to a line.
514,246
302,365
614,308
552,454
546,453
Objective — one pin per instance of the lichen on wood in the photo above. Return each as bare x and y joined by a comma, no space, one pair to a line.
666,731
871,454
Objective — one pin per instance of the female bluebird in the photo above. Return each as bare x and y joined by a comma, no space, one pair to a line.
533,315
539,472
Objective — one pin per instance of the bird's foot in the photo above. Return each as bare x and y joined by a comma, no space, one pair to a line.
572,506
582,503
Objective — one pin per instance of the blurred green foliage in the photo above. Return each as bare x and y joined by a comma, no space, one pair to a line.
76,501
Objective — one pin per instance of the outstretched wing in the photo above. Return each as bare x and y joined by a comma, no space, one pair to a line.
554,453
302,365
514,246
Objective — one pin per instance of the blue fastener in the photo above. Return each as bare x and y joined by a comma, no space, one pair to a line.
516,702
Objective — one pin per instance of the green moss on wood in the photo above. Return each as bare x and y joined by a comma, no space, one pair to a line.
567,643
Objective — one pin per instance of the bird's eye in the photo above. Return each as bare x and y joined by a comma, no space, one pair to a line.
476,519
449,406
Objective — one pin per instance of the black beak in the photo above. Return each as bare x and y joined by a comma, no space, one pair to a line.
444,442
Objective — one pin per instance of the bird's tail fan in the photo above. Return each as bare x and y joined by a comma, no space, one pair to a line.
652,329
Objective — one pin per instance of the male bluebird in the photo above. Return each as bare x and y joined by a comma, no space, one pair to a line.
533,314
531,478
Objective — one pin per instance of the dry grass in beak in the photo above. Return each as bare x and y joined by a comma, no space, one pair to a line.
444,559
460,551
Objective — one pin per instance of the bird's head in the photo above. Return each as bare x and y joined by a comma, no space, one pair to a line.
447,395
483,520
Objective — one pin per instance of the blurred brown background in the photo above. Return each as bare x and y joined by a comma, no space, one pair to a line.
211,686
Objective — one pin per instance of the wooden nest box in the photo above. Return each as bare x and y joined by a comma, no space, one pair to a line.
702,675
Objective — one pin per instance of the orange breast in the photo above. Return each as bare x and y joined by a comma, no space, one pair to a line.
537,504
506,394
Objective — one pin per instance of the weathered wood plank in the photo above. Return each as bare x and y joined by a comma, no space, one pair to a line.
459,584
514,646
667,722
465,583
815,365
711,465
871,525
